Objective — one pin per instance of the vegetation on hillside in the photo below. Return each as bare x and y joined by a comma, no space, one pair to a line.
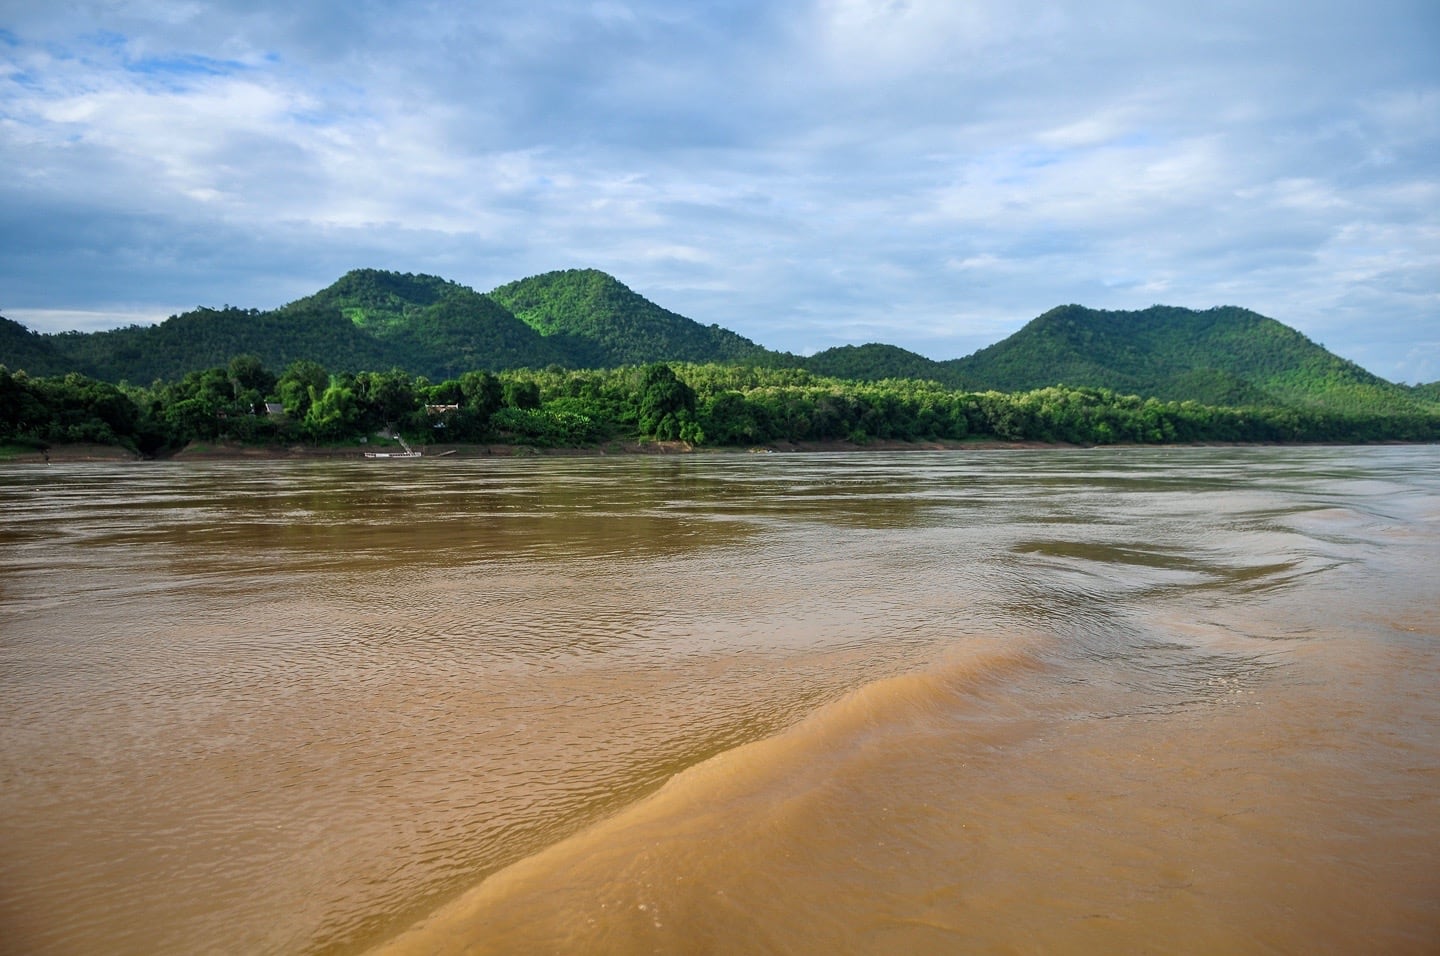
432,326
1224,355
603,324
426,325
207,337
21,348
378,300
426,330
704,405
875,362
1429,392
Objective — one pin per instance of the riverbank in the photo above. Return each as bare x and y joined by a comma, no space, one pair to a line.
234,451
83,452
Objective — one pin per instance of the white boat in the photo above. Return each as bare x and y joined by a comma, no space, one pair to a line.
407,453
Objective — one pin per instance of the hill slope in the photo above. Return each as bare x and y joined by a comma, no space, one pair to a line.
432,326
875,361
1225,355
374,319
205,338
30,352
425,325
601,323
1430,391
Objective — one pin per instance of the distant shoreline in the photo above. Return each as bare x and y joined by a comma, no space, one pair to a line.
229,451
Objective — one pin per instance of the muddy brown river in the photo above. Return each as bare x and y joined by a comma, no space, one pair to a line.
1070,701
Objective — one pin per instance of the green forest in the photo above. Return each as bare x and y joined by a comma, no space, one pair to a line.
576,359
709,405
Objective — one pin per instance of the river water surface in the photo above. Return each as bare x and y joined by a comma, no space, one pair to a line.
1159,700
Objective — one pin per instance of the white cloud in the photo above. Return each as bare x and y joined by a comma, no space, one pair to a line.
927,173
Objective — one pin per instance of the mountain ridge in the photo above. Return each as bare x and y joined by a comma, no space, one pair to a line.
372,319
1222,355
609,324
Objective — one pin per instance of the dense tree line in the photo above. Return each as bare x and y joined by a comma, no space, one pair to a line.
704,405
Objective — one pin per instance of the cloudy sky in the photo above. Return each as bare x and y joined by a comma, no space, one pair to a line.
809,173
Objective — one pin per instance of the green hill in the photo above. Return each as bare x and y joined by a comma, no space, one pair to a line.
379,301
206,338
373,320
431,326
875,362
30,352
601,323
1225,355
1429,392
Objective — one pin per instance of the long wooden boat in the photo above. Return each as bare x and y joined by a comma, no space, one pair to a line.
407,453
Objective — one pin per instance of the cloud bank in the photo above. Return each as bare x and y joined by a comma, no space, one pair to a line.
930,174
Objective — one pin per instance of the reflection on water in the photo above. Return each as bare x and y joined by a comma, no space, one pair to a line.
1075,701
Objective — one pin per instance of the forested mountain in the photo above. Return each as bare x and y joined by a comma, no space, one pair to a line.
372,320
380,301
875,362
208,337
22,349
601,323
588,361
432,326
1221,356
1429,392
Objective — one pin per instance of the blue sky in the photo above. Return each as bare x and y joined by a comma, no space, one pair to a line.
930,173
